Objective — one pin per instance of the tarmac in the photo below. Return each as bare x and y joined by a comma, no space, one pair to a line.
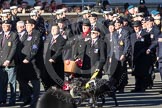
148,99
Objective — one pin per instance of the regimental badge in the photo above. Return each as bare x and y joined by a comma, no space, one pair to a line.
121,43
142,39
96,50
9,44
34,47
151,36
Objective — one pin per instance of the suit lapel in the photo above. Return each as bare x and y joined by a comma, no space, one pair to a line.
1,37
116,38
134,38
6,40
121,34
49,42
24,37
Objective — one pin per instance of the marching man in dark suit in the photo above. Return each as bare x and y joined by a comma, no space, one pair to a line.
157,43
109,43
80,47
94,54
8,44
29,67
140,42
118,56
53,59
154,33
22,34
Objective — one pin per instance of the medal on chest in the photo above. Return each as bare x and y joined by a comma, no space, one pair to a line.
121,43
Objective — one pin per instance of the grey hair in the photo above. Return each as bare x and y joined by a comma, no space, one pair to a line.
20,23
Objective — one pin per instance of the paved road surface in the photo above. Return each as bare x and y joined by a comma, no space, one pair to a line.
149,99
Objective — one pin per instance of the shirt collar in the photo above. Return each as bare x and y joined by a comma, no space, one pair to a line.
119,31
55,36
139,32
22,33
149,29
6,33
95,39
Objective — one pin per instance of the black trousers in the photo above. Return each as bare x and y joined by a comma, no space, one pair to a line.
140,83
30,92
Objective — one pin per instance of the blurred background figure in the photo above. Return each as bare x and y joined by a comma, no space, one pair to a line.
6,4
142,8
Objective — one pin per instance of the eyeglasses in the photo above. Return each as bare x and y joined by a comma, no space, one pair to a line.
94,32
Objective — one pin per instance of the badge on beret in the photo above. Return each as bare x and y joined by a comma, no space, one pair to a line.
121,43
29,38
9,44
34,46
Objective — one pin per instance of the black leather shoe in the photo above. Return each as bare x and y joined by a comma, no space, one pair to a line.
134,90
26,102
121,91
2,102
160,92
140,90
11,104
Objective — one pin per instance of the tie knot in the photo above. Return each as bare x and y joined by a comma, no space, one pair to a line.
6,36
138,35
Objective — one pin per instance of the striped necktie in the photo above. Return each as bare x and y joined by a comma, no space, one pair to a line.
3,40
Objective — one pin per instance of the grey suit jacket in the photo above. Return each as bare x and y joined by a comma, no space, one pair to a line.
8,50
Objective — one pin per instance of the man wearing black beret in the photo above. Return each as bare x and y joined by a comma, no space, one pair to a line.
95,53
119,54
8,45
140,42
154,33
80,47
